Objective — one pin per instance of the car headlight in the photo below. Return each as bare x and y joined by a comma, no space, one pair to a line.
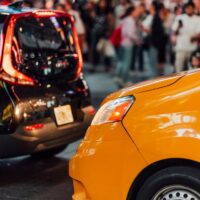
113,111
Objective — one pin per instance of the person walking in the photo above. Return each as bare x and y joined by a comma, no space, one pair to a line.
138,48
146,31
187,28
103,18
80,27
158,40
120,10
130,37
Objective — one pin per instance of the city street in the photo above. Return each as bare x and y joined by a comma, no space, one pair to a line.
27,179
60,59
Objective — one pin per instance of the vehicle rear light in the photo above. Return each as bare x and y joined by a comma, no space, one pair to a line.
44,13
78,49
9,72
92,111
33,127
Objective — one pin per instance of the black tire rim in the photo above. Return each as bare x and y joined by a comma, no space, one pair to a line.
176,192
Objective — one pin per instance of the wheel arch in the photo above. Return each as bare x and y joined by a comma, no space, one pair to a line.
153,168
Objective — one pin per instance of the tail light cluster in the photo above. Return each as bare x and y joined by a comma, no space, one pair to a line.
9,72
33,127
78,49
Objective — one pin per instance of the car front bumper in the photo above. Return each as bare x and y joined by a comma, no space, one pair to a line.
106,163
50,136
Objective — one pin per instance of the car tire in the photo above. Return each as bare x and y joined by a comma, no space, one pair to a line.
48,153
172,183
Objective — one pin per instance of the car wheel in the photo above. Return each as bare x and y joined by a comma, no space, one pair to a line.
174,183
48,153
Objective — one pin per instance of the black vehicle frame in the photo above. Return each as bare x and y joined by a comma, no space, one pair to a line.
44,100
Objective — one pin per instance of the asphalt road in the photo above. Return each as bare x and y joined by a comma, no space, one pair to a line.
25,178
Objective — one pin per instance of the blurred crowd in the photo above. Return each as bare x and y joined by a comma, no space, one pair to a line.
143,36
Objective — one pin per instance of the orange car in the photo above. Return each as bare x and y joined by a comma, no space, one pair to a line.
143,144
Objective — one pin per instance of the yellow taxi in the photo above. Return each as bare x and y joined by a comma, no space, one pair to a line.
143,144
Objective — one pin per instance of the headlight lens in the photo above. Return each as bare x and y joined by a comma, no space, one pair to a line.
113,111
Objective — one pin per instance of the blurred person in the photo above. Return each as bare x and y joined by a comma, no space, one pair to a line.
88,15
138,49
146,30
158,39
168,21
197,6
120,10
195,59
147,22
38,4
60,7
130,36
28,3
102,28
186,28
80,27
170,4
176,12
49,4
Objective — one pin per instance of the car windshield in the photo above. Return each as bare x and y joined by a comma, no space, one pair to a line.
42,39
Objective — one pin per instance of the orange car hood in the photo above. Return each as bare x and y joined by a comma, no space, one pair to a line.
149,85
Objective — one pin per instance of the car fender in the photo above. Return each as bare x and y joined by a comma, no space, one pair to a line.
165,123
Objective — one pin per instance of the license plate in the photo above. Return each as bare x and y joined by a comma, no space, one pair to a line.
63,115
